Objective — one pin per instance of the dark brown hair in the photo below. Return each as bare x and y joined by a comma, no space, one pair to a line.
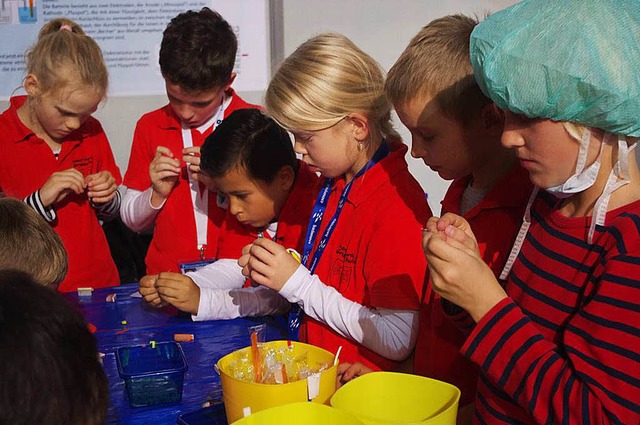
198,51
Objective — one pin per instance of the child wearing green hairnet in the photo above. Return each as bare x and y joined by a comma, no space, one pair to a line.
561,342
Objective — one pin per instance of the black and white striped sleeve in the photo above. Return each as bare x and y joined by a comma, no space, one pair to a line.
109,210
34,201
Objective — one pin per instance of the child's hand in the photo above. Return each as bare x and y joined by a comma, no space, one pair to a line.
149,291
60,184
179,290
349,371
191,156
164,171
458,272
267,263
102,187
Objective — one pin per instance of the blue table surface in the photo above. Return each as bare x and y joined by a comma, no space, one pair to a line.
213,340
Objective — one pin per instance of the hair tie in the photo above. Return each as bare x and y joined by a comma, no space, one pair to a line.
66,27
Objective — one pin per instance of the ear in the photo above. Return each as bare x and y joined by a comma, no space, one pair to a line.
32,85
492,119
360,125
231,80
285,177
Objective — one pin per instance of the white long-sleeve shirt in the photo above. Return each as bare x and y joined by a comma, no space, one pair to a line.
389,332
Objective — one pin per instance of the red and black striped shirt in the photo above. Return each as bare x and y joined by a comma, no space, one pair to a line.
565,346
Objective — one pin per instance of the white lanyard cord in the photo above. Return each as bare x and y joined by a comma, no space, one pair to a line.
200,201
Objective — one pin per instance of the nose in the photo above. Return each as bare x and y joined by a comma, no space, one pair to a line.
73,123
417,148
234,206
185,112
511,137
299,148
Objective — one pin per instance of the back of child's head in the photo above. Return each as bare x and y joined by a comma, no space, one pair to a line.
49,360
323,81
198,51
64,55
29,244
248,140
435,66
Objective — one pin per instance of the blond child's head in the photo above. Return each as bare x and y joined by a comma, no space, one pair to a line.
64,55
435,67
66,80
455,129
323,81
29,244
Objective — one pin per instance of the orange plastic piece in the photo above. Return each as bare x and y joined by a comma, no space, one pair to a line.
183,337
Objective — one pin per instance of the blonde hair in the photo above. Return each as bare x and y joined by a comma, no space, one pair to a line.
29,244
62,54
577,130
436,64
323,81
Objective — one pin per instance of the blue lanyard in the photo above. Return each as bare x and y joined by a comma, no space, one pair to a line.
320,207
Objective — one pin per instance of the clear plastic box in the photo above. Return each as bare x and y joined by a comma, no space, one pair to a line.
152,374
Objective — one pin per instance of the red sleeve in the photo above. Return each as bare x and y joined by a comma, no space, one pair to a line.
397,266
142,153
106,160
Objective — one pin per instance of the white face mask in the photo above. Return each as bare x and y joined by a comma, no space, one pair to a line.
583,178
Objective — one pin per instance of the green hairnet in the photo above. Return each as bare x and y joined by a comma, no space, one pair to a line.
566,60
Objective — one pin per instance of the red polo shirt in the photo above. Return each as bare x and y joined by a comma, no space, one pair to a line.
374,256
292,219
175,236
495,222
27,162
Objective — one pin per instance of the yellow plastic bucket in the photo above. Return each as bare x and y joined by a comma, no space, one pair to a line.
384,398
300,414
238,395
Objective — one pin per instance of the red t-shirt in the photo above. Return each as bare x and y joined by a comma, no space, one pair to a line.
495,222
27,162
174,236
292,219
374,256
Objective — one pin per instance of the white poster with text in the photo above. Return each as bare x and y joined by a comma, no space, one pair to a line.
129,33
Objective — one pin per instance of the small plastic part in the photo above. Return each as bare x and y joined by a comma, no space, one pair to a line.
124,322
295,254
92,328
153,344
111,298
183,337
85,292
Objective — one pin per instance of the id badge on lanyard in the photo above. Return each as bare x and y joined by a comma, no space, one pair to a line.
200,199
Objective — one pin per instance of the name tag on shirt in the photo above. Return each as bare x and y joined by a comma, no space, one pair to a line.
193,266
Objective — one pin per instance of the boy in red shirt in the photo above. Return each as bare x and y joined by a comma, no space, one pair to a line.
456,131
270,194
197,56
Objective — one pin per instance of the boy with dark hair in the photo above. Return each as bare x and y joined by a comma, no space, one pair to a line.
197,56
29,244
48,358
250,160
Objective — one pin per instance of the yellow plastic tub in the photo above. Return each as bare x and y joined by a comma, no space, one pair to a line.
385,398
300,414
243,398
